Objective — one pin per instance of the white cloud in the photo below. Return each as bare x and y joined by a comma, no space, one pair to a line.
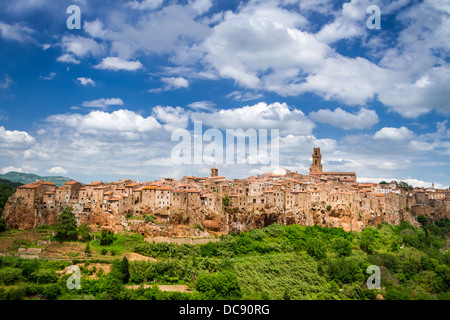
175,83
86,81
171,83
119,121
80,46
170,30
16,32
116,64
348,23
259,116
244,96
173,118
5,84
15,139
200,6
50,76
399,134
144,4
202,105
103,103
57,170
364,119
26,169
67,58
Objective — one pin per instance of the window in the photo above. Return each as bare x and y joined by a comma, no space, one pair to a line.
254,200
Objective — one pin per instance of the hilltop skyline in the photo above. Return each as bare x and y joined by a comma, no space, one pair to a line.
101,103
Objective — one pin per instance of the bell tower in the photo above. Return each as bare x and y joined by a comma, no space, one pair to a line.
316,165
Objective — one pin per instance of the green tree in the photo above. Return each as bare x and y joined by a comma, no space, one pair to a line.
66,226
225,201
422,220
343,247
106,238
125,270
87,249
316,249
84,231
2,225
218,285
368,240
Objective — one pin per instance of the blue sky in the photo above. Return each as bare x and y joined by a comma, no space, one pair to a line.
101,103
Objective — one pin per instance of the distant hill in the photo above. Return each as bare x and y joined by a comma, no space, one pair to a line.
10,183
25,178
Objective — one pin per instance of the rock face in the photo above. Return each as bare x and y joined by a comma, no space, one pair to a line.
203,223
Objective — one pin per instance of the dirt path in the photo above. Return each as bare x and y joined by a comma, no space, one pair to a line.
166,288
182,240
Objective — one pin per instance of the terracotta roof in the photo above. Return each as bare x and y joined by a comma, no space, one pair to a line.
46,182
32,185
164,188
71,182
114,199
208,195
149,188
93,184
108,192
328,173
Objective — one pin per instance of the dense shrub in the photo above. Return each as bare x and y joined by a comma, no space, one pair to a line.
218,285
9,276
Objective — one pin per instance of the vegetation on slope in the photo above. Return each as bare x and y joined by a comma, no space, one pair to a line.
276,262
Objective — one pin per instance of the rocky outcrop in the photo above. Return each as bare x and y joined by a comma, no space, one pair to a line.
202,223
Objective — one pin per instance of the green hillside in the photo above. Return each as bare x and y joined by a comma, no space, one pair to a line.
25,178
7,188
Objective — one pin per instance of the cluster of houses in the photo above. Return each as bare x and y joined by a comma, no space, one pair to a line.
281,189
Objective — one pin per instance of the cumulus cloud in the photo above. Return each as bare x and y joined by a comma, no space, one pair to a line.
173,118
57,170
202,105
81,46
103,103
116,64
119,121
144,4
67,58
363,119
259,116
26,169
15,139
398,134
87,81
17,32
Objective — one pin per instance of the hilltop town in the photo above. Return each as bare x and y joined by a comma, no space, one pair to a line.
205,206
